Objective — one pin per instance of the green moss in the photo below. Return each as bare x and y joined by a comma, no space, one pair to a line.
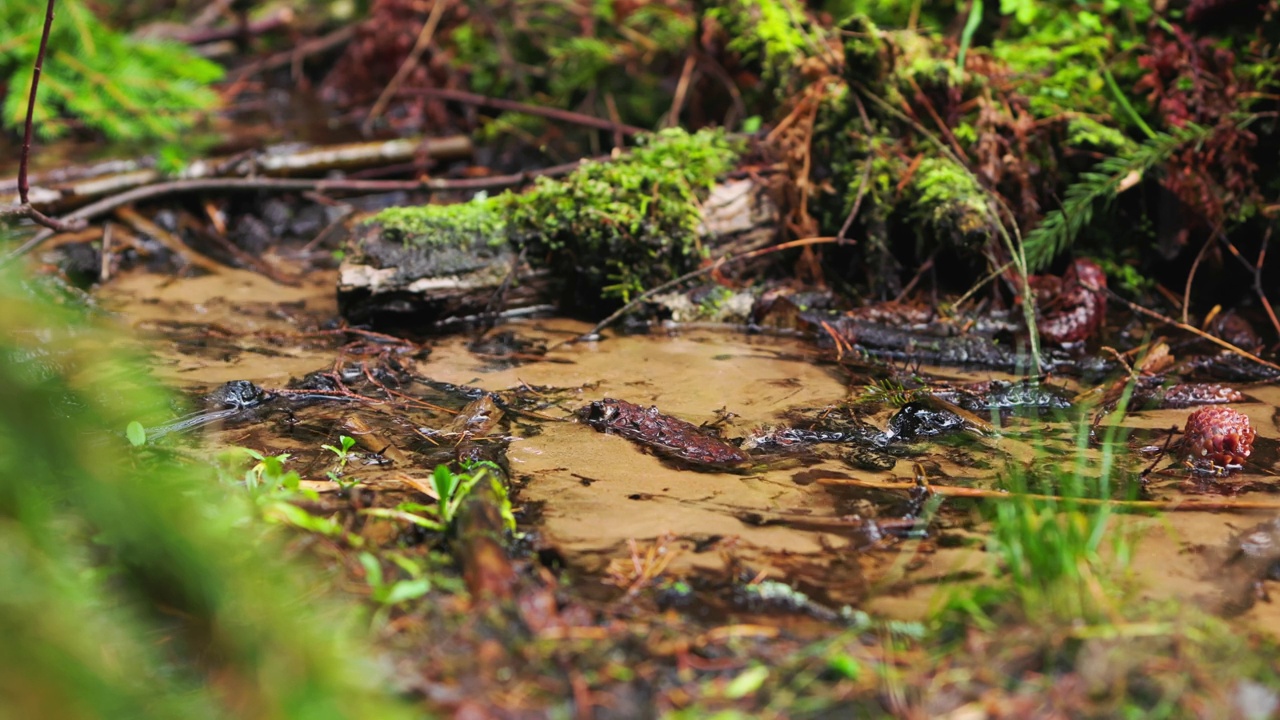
948,200
617,228
776,33
469,224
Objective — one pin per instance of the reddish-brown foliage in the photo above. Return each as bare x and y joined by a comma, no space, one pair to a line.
1193,80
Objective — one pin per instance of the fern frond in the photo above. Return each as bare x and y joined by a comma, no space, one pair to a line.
1060,228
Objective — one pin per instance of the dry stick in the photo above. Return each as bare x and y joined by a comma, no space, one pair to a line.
983,494
612,106
406,67
567,116
131,217
857,203
1257,280
23,188
1256,269
682,88
689,276
1191,276
284,185
866,176
325,43
937,119
1188,328
104,271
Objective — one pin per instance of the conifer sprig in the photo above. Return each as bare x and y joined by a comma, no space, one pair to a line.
1060,228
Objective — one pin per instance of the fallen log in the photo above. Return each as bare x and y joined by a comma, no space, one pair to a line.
586,243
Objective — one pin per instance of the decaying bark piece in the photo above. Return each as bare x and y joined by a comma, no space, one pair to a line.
663,434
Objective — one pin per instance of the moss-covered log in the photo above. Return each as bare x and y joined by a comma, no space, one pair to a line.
586,243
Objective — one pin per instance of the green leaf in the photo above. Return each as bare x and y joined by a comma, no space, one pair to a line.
845,666
747,682
407,590
444,482
372,570
136,434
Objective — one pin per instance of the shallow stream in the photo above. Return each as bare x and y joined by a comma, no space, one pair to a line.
593,497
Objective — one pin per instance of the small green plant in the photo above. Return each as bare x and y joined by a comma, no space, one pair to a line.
451,490
276,492
1054,538
388,593
888,391
344,454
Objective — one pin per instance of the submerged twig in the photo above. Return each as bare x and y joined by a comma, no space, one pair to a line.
987,494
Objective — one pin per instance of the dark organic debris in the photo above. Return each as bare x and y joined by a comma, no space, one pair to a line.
917,420
1005,395
1252,558
665,435
238,395
1184,395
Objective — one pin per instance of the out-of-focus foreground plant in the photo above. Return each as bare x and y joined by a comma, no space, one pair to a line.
132,584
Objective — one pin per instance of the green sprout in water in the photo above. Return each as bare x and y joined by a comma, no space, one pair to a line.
451,490
344,454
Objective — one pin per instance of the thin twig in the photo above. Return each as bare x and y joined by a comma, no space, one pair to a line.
1257,280
325,43
1256,270
1191,276
682,88
857,203
567,116
1188,328
406,67
24,189
986,494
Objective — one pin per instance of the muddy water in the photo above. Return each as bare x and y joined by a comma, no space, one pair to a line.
594,496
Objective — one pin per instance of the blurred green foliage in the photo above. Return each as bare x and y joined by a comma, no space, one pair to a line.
134,584
124,87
